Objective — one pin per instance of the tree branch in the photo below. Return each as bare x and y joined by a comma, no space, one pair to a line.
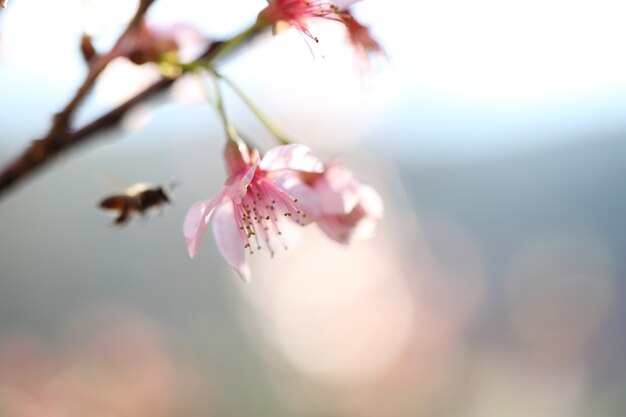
61,137
62,119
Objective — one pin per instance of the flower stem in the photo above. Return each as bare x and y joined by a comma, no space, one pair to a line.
227,47
231,133
269,124
207,64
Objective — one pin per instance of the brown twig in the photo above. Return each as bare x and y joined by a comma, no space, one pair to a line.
113,117
98,63
62,137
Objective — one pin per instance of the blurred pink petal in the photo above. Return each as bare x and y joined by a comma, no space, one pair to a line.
308,200
285,13
335,228
150,43
370,210
348,208
197,220
294,156
337,190
371,202
236,157
228,240
246,179
365,44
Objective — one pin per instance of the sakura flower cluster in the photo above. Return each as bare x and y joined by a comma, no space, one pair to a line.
289,184
282,14
285,13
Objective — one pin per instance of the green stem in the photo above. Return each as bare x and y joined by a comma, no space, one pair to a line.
231,133
228,46
223,49
269,124
207,64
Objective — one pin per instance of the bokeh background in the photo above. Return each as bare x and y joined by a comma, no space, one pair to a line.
493,287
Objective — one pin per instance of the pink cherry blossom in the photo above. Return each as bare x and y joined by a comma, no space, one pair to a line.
151,43
359,222
363,41
346,207
284,13
249,210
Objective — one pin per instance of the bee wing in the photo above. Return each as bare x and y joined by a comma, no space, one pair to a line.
118,186
138,188
114,202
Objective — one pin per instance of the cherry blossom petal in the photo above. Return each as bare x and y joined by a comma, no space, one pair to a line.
280,26
370,202
337,190
294,156
308,200
197,220
364,229
229,240
246,179
335,228
236,156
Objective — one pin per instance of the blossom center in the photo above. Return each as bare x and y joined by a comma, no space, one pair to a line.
259,215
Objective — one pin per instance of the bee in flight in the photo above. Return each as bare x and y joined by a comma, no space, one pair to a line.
136,199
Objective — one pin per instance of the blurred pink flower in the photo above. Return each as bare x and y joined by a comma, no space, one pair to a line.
251,203
363,41
151,43
285,13
346,208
